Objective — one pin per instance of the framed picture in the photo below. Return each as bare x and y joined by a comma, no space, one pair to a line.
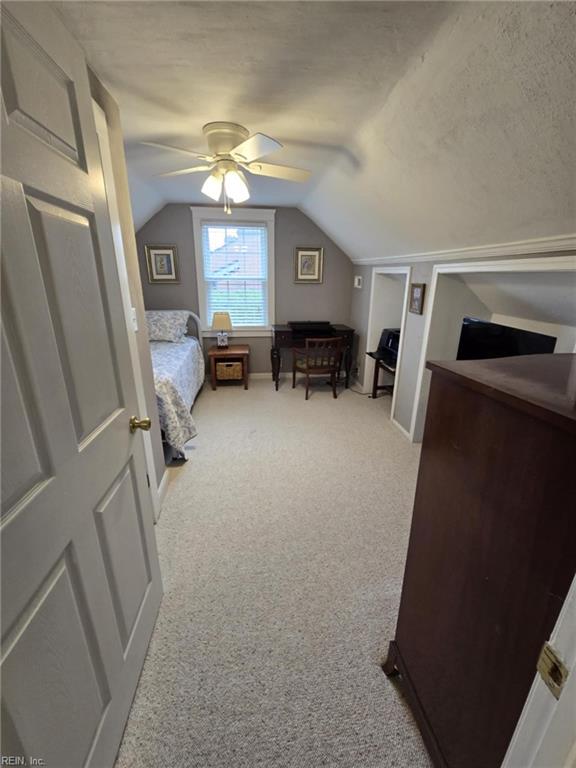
162,262
417,291
309,265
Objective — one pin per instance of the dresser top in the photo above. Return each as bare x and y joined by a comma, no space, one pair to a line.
544,385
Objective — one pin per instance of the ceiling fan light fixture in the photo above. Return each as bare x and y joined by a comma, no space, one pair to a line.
235,186
231,148
212,187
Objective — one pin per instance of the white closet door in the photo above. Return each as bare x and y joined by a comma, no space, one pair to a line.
80,578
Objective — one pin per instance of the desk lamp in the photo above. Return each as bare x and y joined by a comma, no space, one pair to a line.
221,322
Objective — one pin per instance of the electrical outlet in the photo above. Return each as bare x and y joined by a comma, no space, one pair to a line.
357,281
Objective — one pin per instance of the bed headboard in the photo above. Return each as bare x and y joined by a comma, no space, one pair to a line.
198,328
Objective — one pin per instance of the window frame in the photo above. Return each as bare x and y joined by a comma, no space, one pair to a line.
241,216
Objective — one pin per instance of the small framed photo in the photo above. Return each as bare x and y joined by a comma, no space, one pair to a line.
309,265
417,291
162,262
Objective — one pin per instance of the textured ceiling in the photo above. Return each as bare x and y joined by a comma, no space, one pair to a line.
427,126
306,73
475,145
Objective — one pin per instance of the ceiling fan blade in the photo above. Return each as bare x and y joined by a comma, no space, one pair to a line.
286,172
199,155
193,169
254,147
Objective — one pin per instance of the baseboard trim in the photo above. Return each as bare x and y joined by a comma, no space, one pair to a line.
267,375
163,489
355,380
538,246
401,428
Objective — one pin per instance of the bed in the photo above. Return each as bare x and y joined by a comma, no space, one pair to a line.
178,367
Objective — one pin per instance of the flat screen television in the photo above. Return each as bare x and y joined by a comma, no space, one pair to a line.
480,340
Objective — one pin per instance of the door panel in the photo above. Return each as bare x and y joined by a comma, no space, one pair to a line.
25,452
55,619
64,243
37,92
80,576
24,304
118,519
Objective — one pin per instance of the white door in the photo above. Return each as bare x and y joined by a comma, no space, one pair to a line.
129,310
545,736
80,578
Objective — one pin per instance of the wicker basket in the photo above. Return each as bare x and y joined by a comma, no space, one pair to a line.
229,371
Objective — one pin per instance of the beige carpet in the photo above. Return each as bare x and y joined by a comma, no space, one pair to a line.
282,546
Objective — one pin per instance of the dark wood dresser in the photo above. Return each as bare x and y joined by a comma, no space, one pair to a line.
492,549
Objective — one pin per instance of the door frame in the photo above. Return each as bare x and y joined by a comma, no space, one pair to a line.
544,735
367,385
537,264
128,308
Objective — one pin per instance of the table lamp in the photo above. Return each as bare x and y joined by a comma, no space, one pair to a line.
221,322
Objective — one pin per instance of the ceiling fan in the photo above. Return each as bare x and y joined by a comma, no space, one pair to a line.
232,151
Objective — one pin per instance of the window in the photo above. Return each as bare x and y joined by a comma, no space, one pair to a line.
234,261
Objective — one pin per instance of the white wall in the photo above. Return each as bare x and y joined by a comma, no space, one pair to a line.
387,306
146,199
543,301
548,297
527,298
453,302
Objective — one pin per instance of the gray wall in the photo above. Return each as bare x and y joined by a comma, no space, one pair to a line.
328,301
454,301
413,334
413,330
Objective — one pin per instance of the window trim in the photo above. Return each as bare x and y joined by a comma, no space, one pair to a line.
206,214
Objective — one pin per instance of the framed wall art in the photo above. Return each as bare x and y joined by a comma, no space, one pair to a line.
416,304
162,263
309,265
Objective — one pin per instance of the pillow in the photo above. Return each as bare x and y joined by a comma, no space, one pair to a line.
167,324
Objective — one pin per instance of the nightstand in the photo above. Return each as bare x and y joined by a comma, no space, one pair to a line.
222,361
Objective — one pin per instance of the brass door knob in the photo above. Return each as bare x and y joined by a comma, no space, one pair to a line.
136,423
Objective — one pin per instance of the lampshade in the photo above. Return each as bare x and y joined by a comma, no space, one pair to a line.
236,187
221,321
212,187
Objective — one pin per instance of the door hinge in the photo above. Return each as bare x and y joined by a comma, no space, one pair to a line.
552,669
148,479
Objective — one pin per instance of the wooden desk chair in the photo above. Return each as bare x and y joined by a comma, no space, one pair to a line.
320,357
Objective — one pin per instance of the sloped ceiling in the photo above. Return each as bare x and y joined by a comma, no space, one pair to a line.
475,145
548,297
306,73
427,126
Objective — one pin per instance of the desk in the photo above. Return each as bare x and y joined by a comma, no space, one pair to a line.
380,365
293,335
233,353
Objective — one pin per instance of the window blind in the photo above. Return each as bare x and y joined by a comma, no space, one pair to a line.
235,262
